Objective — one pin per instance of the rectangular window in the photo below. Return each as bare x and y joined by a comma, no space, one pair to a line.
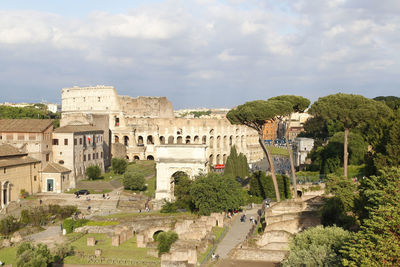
1,137
5,170
10,137
47,157
75,141
34,165
66,142
80,141
34,178
55,142
97,155
94,156
88,157
84,157
21,137
32,136
101,154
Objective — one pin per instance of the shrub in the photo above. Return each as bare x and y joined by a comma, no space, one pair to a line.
29,255
93,172
333,213
9,225
69,224
61,252
262,186
134,181
165,240
169,207
119,165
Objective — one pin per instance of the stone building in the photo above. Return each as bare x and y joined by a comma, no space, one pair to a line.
32,136
138,125
55,178
270,130
76,147
18,171
301,148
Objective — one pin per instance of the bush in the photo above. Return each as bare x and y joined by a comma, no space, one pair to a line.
169,207
93,172
29,255
165,240
119,165
134,181
41,215
9,225
69,224
317,246
333,213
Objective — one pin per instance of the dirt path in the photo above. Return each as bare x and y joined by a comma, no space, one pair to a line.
50,237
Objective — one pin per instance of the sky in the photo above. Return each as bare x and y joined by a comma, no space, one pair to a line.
200,53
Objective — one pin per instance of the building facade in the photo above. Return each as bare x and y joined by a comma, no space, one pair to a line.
77,147
18,171
301,148
32,136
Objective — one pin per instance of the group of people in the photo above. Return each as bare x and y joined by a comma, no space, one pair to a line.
106,197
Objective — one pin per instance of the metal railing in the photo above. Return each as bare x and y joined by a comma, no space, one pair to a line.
208,256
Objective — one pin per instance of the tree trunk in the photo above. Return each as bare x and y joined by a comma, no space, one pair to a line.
345,154
293,171
271,165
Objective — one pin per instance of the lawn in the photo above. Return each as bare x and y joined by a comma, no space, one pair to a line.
146,167
127,250
8,255
279,151
149,214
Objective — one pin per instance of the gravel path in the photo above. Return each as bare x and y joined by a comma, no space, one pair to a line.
51,236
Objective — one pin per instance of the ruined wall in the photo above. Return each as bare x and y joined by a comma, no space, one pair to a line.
147,107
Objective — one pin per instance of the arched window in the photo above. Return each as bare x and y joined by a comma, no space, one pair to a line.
196,139
212,142
140,141
204,140
230,140
170,140
179,140
150,140
187,141
211,160
218,159
136,158
162,140
126,140
116,139
211,131
218,142
150,157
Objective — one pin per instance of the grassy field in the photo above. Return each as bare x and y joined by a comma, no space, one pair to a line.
146,167
127,250
8,255
279,151
149,214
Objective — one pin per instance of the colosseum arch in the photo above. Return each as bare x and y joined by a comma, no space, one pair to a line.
218,159
211,160
140,140
126,140
162,140
116,139
150,157
187,139
196,140
150,140
170,140
179,140
136,157
204,140
190,159
225,144
212,142
231,141
218,141
224,159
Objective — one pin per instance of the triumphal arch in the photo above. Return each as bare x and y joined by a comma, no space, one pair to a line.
171,159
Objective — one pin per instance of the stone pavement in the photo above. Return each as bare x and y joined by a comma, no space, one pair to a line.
51,236
237,233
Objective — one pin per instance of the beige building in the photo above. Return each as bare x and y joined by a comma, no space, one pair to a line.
18,171
32,136
138,125
55,178
77,147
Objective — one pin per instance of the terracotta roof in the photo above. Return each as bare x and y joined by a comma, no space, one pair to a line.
7,150
77,129
15,160
24,125
55,168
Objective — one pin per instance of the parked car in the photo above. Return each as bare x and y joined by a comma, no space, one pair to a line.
82,192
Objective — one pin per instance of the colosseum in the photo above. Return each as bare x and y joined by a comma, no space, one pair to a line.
134,127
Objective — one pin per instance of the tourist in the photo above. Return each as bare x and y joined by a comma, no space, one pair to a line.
104,196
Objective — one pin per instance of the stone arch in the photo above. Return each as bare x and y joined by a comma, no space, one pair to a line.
211,160
211,131
116,139
187,139
212,142
225,141
136,157
224,157
204,140
242,142
179,140
127,157
196,139
150,157
230,141
5,193
218,159
236,130
218,141
162,140
174,178
156,233
126,140
170,140
150,140
140,140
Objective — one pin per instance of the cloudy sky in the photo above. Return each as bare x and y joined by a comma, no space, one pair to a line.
200,53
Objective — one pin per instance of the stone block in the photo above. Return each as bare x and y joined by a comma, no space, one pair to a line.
115,241
140,241
91,241
97,252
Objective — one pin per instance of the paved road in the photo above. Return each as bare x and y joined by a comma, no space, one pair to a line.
51,236
236,234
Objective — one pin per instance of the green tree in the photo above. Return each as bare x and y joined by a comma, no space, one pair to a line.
392,102
182,192
378,241
317,246
351,110
216,193
119,165
165,241
254,114
297,104
236,165
262,186
93,172
29,255
134,181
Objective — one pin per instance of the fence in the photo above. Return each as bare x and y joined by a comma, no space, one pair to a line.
214,246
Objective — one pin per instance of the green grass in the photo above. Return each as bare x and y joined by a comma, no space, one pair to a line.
127,250
150,214
352,171
8,255
92,191
101,223
151,187
217,231
279,151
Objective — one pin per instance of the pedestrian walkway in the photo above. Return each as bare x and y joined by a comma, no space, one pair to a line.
236,234
51,236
